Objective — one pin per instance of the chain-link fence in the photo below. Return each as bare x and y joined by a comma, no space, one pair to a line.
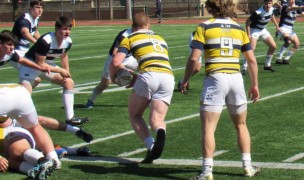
114,9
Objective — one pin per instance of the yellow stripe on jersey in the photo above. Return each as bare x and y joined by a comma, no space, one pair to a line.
223,41
150,50
1,140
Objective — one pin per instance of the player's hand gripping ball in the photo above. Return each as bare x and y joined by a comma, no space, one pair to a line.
123,77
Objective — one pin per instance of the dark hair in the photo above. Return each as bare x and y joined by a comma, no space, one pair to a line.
36,2
220,8
62,21
267,1
7,36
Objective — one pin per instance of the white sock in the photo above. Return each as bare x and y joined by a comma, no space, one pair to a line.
290,53
31,156
207,166
72,129
72,151
268,60
282,51
25,167
246,160
149,142
52,155
68,103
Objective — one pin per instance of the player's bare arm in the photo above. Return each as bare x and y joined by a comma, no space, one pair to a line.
41,62
253,73
190,67
27,35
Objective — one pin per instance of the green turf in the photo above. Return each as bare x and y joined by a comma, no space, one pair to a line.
275,124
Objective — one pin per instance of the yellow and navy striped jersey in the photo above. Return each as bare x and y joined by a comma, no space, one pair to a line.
150,50
222,41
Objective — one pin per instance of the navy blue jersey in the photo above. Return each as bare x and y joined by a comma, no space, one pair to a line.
12,57
260,18
120,36
25,21
47,46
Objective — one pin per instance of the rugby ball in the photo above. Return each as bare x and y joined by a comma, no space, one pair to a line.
123,77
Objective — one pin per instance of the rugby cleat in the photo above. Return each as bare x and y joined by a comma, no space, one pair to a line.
286,62
268,68
83,151
253,171
203,177
76,121
279,61
44,169
87,137
89,104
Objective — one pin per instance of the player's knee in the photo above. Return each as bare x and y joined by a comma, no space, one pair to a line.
236,109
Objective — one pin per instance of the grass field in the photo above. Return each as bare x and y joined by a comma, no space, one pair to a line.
275,122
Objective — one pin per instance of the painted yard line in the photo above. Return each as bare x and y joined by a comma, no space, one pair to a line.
127,154
181,119
294,158
182,162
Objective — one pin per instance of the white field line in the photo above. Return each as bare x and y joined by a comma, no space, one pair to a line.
127,154
182,162
294,158
180,119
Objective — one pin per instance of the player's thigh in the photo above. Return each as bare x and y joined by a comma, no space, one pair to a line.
28,74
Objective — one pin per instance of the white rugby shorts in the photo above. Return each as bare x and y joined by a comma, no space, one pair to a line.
12,132
222,88
17,103
155,85
257,33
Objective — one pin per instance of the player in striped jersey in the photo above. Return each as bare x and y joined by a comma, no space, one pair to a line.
256,28
222,40
130,62
286,33
48,47
153,86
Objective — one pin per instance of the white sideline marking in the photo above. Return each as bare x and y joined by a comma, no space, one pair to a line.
294,158
217,153
183,162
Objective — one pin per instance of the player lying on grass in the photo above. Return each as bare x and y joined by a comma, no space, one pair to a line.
19,105
19,149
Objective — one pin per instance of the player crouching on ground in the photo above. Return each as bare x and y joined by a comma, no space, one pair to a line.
153,86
